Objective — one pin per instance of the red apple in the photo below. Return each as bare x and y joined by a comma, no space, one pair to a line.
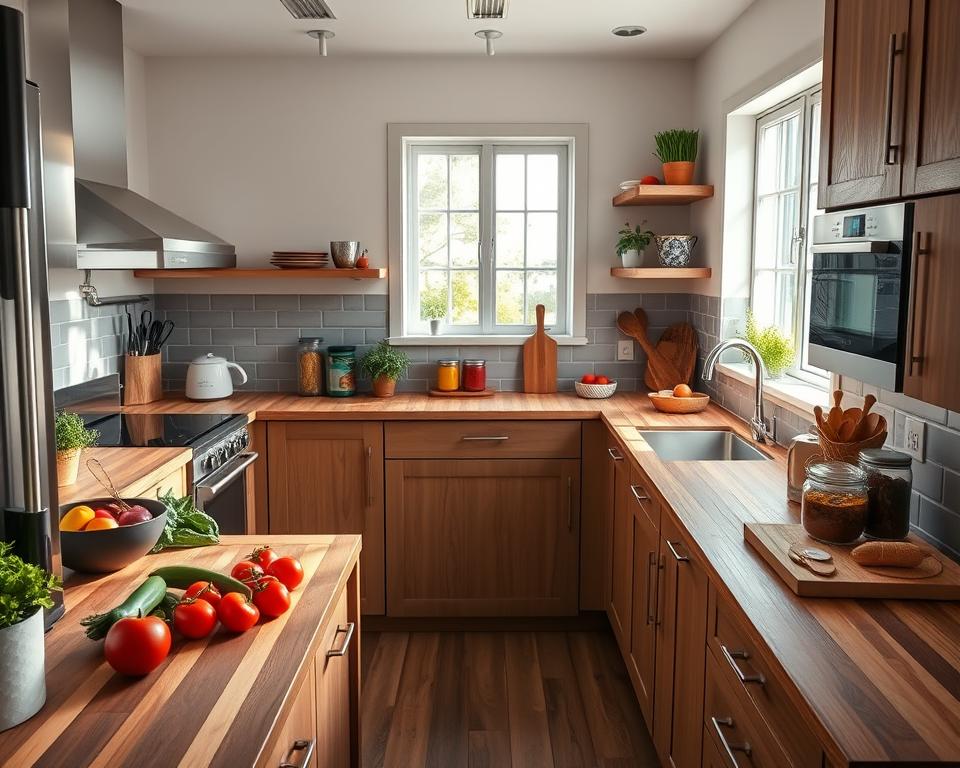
588,378
104,513
649,180
602,380
136,514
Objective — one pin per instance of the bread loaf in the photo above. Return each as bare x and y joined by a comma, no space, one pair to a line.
899,554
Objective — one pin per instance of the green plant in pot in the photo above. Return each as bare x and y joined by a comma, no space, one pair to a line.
632,244
775,347
72,437
677,150
433,307
25,590
385,365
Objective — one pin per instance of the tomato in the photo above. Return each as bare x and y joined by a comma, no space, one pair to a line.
649,180
194,618
263,556
205,591
246,570
288,570
236,613
257,581
136,647
271,597
588,378
602,380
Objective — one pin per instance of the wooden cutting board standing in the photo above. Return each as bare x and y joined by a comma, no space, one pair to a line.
672,360
540,360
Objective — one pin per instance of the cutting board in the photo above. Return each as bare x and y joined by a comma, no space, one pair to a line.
540,360
678,345
771,542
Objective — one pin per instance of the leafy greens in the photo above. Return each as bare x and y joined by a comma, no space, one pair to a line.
186,525
23,588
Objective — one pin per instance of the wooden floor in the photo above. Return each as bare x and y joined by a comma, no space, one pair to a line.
499,700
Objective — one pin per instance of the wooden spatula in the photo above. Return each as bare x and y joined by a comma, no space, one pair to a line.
540,359
660,373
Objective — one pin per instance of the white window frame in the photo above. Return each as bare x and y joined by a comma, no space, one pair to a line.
404,141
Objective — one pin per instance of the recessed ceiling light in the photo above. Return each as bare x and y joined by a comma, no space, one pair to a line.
629,31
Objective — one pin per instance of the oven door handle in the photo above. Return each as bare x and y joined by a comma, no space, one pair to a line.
855,246
206,492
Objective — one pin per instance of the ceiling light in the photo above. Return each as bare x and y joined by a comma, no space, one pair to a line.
629,31
322,35
489,35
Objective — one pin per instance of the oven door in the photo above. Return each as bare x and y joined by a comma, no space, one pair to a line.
858,308
223,494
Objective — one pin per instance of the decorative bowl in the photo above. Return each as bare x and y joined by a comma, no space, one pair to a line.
671,404
112,548
595,391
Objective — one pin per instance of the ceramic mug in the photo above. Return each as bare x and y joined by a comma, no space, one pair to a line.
675,250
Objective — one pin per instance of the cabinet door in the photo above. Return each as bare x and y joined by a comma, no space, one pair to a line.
334,745
483,538
681,652
932,159
296,738
596,509
620,606
327,477
864,88
933,346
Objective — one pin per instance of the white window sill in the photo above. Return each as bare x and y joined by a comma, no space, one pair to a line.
478,341
793,394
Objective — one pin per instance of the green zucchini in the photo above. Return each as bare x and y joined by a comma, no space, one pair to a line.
182,576
141,602
166,607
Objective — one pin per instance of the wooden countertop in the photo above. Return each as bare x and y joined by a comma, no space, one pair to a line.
132,470
211,702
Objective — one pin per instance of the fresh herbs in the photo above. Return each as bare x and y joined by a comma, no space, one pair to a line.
72,433
775,347
433,304
636,239
677,145
24,588
384,360
186,525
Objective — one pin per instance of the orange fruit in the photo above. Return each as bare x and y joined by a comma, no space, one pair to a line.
682,390
101,524
76,518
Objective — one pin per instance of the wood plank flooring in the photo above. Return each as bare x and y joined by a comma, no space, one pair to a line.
499,700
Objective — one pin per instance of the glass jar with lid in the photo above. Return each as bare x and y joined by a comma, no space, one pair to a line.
341,371
834,502
448,375
890,482
309,367
474,375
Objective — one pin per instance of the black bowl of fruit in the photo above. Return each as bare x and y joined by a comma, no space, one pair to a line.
103,535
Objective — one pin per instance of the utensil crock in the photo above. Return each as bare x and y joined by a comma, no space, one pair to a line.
675,250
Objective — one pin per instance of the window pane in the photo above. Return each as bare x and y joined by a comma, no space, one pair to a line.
815,141
432,238
767,160
465,239
509,182
786,301
432,181
509,240
541,240
542,172
765,248
465,290
509,298
465,182
763,297
542,289
433,292
789,221
790,152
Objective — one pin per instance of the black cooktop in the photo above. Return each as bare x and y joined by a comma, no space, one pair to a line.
161,430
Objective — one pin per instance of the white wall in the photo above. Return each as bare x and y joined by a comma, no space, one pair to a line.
277,153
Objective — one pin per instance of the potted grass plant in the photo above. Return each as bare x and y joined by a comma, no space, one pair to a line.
72,437
385,365
776,349
677,150
632,244
25,590
433,307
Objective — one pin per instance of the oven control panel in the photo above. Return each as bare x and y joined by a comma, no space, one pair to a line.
219,454
882,222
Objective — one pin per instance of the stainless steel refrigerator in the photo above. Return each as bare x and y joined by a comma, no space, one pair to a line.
28,485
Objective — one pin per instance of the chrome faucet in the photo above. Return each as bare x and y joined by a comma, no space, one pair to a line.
758,424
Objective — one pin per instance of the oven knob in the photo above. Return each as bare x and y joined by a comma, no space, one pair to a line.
211,461
244,439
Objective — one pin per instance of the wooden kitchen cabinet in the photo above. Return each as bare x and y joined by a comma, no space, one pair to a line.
327,477
296,737
620,602
599,452
484,537
333,694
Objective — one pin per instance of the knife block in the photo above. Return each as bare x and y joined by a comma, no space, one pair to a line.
142,381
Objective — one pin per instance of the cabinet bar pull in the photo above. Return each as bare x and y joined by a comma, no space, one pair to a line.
660,583
306,746
651,578
615,454
732,657
727,722
569,502
495,438
347,631
369,475
679,558
888,147
638,494
917,313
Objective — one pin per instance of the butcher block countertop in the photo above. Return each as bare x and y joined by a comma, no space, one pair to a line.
211,702
132,470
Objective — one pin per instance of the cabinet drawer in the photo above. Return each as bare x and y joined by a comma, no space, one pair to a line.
483,440
175,482
745,669
641,489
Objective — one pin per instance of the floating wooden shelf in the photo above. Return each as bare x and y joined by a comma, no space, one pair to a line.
662,273
376,273
664,194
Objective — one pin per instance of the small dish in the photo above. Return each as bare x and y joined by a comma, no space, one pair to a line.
595,391
668,403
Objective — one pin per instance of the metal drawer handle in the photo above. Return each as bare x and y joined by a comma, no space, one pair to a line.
615,454
661,582
727,722
639,494
369,475
651,577
494,438
679,558
732,656
346,630
893,51
306,746
917,316
569,502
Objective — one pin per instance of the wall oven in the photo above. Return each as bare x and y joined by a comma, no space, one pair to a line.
859,296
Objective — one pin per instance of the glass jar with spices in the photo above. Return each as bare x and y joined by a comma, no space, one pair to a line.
474,375
889,482
448,375
309,367
341,371
834,503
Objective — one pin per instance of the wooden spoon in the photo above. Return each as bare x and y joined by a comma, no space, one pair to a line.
835,417
848,428
664,373
860,431
823,425
821,568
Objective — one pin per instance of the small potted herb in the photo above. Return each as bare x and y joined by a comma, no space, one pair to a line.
632,244
433,307
25,590
385,365
72,437
775,347
677,150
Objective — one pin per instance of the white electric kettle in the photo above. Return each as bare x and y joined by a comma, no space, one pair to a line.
208,378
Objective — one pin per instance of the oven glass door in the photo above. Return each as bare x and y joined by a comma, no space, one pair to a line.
223,494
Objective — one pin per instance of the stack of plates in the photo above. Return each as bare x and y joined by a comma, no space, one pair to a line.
300,259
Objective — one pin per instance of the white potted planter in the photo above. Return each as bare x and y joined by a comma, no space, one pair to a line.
22,684
435,327
632,259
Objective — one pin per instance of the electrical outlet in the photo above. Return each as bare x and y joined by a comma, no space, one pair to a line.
914,437
624,349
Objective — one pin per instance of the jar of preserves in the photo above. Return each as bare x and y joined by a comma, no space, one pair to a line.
834,503
309,367
448,375
474,375
889,483
341,371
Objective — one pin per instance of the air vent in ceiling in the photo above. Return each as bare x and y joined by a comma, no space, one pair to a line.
308,9
487,9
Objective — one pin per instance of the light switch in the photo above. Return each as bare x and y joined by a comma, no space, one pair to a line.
625,349
914,437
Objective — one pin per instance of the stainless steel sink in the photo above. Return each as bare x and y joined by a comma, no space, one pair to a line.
700,445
